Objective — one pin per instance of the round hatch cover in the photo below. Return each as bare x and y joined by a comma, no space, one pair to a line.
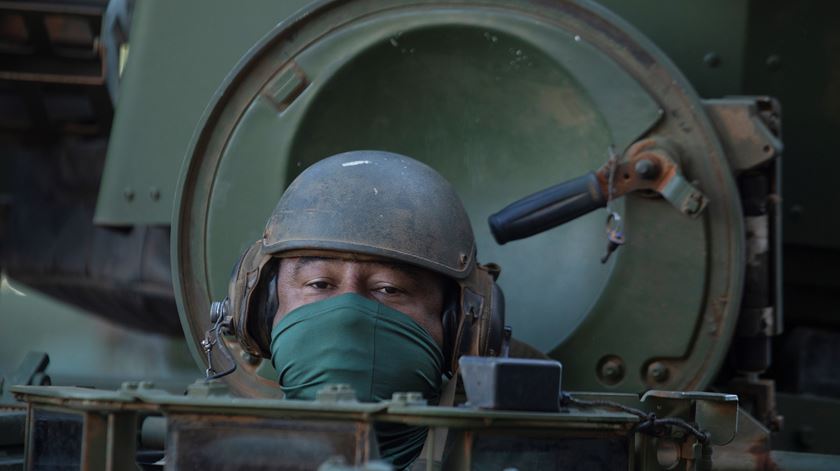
504,98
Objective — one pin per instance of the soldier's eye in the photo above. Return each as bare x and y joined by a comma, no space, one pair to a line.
388,290
318,284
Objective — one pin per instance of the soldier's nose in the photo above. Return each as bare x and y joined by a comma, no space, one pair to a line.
354,286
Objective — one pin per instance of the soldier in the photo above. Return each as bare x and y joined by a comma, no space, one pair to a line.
367,276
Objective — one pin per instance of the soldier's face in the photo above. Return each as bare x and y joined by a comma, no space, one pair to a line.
413,291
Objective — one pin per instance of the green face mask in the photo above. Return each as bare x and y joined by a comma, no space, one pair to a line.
373,348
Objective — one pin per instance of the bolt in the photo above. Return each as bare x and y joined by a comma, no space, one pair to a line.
773,62
693,204
462,259
658,371
712,59
612,370
415,396
796,211
647,169
128,193
154,193
411,398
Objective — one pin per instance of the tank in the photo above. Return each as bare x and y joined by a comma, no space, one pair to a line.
150,142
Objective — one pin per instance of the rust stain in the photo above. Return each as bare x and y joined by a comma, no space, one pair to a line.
625,177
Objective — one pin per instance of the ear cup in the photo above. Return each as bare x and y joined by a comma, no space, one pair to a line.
479,326
450,322
253,300
262,308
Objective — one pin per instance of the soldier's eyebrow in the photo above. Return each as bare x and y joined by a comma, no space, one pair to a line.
407,270
411,272
303,261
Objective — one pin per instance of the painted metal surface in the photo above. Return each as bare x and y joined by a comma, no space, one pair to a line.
503,102
186,50
211,429
207,429
714,62
84,349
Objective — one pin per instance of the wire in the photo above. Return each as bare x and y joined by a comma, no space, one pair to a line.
208,344
650,424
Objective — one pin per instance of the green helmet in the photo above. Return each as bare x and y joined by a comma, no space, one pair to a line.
377,204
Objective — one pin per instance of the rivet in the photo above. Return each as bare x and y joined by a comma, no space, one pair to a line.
610,369
128,193
646,169
712,59
658,372
773,62
154,193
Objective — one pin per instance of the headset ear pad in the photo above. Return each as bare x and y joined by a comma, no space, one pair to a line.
450,320
253,300
492,331
263,307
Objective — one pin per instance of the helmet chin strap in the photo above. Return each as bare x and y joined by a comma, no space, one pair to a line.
213,337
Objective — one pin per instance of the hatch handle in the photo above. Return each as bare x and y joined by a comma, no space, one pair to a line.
547,208
647,165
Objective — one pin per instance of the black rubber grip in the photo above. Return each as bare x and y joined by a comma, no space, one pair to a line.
547,208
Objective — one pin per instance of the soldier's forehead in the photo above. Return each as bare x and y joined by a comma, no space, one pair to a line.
301,261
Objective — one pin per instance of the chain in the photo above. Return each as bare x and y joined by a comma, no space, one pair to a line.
614,226
613,164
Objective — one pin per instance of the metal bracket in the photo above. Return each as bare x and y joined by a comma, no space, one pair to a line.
715,413
649,165
203,388
684,196
749,129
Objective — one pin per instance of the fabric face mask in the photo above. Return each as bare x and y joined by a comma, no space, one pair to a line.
373,348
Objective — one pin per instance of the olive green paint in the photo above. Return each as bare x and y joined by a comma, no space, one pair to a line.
692,33
180,53
84,349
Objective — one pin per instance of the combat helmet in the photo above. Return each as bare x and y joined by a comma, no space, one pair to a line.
375,204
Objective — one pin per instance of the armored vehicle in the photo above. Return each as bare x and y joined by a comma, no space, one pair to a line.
146,143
